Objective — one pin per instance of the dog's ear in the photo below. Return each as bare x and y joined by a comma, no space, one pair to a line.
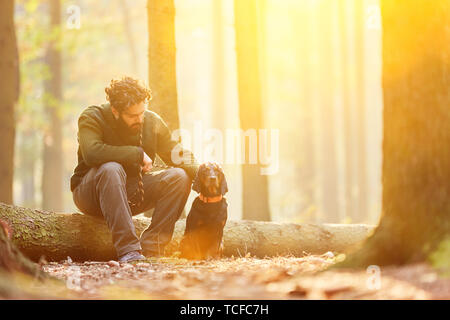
223,182
196,186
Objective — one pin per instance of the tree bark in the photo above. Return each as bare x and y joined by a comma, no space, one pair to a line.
329,168
9,94
52,171
162,70
58,235
416,158
308,171
28,145
128,30
162,61
350,200
254,184
361,212
218,69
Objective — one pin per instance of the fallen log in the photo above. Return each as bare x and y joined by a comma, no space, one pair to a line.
58,235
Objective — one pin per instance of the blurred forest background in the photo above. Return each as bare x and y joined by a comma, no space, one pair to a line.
320,76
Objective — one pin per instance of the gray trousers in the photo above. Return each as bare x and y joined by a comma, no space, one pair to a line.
104,192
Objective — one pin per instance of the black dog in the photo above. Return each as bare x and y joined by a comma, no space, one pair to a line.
204,225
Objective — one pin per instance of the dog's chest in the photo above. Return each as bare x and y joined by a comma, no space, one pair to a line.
208,213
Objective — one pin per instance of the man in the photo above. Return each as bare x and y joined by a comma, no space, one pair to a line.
118,142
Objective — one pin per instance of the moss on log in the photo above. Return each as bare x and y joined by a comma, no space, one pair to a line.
58,235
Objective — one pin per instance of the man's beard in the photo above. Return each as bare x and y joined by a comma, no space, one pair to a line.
133,130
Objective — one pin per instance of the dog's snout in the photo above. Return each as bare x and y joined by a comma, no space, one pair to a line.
214,180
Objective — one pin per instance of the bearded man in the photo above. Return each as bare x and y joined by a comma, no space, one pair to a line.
118,142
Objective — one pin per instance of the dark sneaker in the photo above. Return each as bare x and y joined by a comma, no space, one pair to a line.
131,256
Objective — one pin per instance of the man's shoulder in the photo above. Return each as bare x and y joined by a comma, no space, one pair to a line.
93,110
96,113
154,120
152,115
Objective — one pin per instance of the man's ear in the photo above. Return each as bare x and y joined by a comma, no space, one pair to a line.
115,113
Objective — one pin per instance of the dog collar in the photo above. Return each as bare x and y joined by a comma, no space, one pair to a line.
210,199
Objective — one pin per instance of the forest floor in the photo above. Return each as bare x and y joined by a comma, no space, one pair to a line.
239,278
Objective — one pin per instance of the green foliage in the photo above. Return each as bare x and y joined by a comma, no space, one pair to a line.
440,258
31,5
32,39
91,56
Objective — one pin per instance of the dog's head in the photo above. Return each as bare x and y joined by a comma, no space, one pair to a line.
210,180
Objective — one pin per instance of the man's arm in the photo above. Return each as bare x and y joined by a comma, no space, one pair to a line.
165,145
95,152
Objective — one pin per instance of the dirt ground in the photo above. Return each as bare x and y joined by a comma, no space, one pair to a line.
242,278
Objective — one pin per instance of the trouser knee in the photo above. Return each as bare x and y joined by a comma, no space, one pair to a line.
178,180
111,172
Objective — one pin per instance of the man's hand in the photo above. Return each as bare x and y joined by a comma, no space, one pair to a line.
147,163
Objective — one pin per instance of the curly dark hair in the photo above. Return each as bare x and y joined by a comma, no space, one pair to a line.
126,92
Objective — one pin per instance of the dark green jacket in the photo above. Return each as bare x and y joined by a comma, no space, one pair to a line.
101,141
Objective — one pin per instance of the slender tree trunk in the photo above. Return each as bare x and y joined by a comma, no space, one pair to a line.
327,123
416,158
308,169
9,93
52,173
162,61
127,24
162,65
350,201
254,185
361,213
218,69
27,169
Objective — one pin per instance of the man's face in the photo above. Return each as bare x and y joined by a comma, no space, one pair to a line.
132,117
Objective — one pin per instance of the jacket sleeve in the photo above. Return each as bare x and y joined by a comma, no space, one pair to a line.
172,152
95,152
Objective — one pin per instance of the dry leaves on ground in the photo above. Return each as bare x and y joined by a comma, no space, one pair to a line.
245,278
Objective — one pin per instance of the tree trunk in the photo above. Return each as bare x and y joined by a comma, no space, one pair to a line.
307,177
327,119
416,158
254,184
162,61
27,166
52,172
9,93
58,235
361,213
350,200
162,70
218,70
128,30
